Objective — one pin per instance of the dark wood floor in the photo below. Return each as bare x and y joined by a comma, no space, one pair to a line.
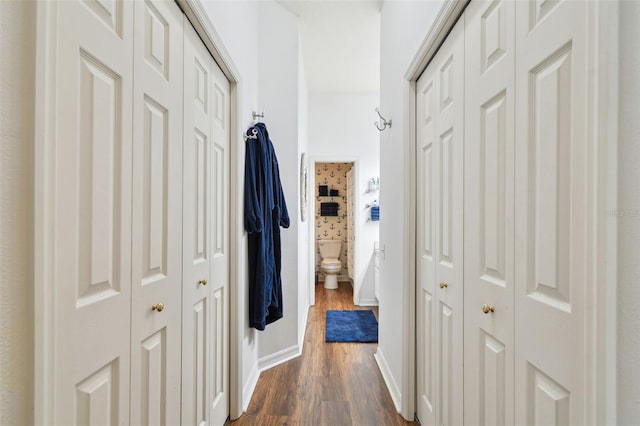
330,384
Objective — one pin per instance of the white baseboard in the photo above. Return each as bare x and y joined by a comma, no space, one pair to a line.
393,387
368,302
279,357
304,329
271,361
249,387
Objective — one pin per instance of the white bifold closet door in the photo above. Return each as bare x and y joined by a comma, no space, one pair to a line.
140,161
528,196
439,159
157,214
489,213
90,227
552,186
205,339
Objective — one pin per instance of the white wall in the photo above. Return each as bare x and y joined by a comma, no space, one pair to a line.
628,209
404,26
278,95
262,39
16,212
341,127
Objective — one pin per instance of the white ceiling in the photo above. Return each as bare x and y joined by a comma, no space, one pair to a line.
340,43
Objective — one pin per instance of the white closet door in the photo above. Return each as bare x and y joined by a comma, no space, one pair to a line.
488,211
449,140
157,214
550,213
91,225
425,248
197,216
440,231
219,284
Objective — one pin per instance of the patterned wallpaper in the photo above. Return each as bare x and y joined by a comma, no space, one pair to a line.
332,227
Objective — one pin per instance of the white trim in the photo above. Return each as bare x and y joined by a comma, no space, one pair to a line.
286,354
271,361
304,329
277,358
601,243
194,10
450,12
44,137
369,302
394,389
237,313
409,331
603,151
250,387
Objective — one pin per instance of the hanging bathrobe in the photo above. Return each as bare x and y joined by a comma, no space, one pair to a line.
265,211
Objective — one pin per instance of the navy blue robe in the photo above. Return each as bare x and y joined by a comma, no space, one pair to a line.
265,211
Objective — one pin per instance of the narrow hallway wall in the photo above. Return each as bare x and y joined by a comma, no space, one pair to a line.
404,27
262,39
341,126
278,96
17,109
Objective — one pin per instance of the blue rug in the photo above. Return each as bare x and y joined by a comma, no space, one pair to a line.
351,326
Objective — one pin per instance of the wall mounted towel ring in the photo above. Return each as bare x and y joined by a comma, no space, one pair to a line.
384,121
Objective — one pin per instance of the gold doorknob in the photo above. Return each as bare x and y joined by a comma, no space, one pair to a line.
158,307
444,285
486,308
203,281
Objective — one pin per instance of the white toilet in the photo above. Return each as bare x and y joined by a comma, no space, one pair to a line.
331,265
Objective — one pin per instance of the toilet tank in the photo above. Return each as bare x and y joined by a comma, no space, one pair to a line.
330,249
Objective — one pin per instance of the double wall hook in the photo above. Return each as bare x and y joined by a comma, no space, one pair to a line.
254,135
254,132
385,123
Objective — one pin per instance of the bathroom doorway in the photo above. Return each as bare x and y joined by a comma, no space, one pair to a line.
347,219
334,228
337,174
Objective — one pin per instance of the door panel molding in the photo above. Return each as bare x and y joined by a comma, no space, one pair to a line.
599,238
439,198
113,18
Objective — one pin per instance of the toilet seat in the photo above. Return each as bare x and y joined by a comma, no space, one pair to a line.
331,265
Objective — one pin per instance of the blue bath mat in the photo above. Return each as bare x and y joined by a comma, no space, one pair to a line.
351,326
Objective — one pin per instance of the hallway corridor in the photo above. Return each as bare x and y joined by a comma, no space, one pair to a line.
330,384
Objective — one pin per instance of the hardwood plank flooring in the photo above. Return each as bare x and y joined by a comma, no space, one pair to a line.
329,384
